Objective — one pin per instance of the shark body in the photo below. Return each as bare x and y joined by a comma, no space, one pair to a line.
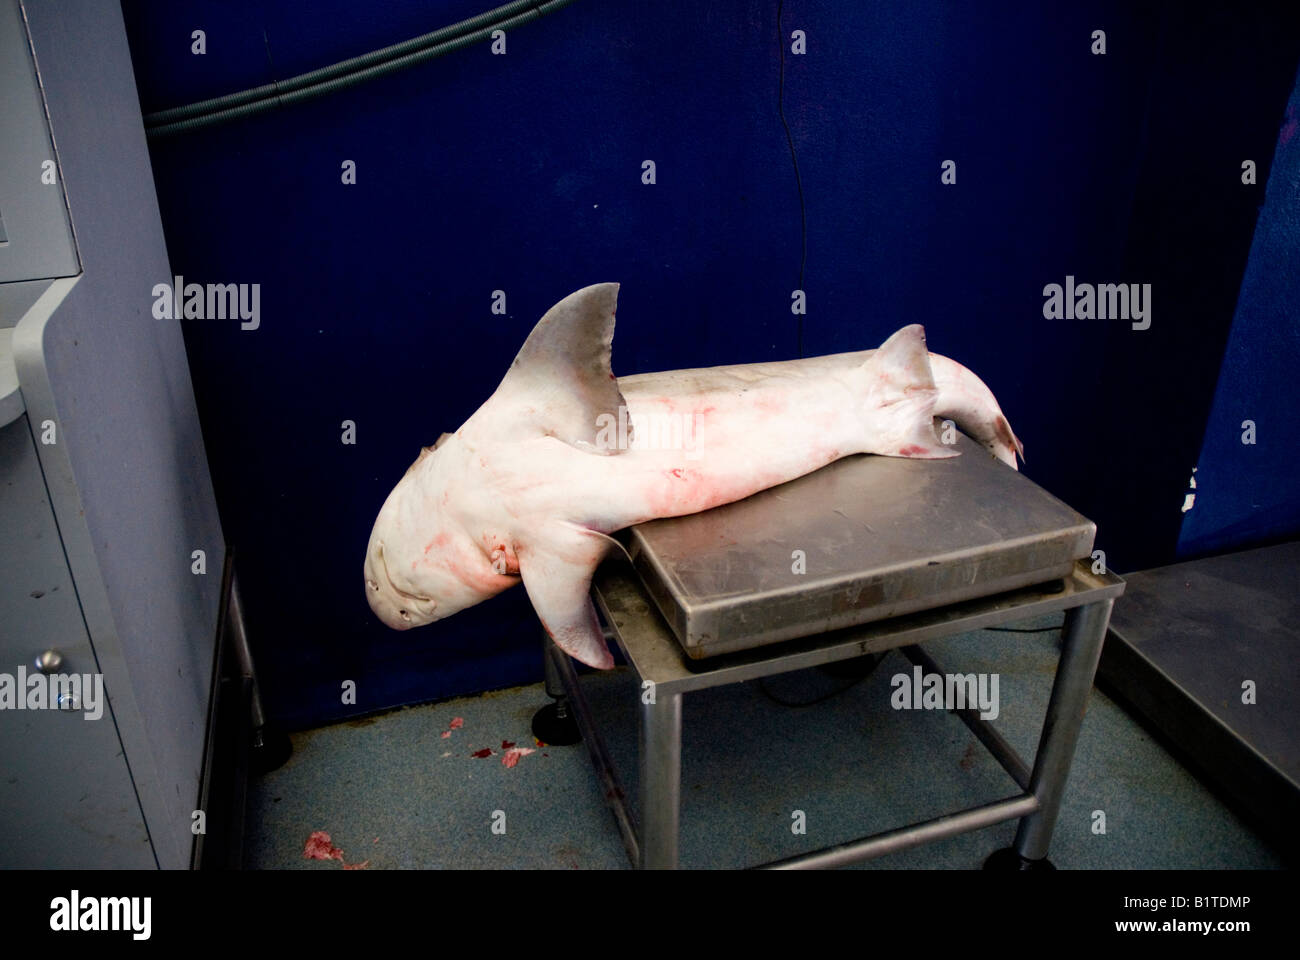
530,487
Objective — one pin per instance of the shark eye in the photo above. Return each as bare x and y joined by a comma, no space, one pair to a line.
373,585
404,615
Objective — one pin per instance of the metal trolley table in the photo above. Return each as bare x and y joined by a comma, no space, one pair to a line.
865,555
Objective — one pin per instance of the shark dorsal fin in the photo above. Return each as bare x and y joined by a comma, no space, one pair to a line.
561,383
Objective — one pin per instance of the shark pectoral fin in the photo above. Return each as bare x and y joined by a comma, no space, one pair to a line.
556,568
577,633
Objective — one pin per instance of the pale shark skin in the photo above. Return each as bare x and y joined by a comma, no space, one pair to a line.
529,488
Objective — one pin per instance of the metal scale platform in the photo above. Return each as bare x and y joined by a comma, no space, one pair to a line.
880,537
894,552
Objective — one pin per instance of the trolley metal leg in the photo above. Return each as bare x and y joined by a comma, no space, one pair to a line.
555,723
648,642
615,797
554,685
1083,634
271,746
661,781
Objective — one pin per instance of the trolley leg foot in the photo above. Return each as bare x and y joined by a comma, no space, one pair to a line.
555,723
1008,860
271,749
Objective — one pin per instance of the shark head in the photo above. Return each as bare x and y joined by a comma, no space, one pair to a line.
397,595
463,523
421,565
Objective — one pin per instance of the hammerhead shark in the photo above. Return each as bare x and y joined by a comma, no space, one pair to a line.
559,457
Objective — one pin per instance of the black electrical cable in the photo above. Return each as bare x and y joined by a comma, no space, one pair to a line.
348,73
794,160
1026,629
808,703
338,69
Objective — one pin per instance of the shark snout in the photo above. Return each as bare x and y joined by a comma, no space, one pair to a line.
397,608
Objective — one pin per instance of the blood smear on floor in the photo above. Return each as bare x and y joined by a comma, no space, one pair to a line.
319,847
513,754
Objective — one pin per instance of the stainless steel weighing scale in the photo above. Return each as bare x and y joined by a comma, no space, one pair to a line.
864,555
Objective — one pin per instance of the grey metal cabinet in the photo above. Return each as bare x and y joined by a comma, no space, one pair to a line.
105,494
66,797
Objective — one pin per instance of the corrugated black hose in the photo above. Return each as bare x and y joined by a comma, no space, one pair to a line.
348,73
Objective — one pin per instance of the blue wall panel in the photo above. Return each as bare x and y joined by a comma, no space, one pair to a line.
1248,494
523,173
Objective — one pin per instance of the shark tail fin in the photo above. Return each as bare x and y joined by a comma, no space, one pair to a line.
896,390
970,403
